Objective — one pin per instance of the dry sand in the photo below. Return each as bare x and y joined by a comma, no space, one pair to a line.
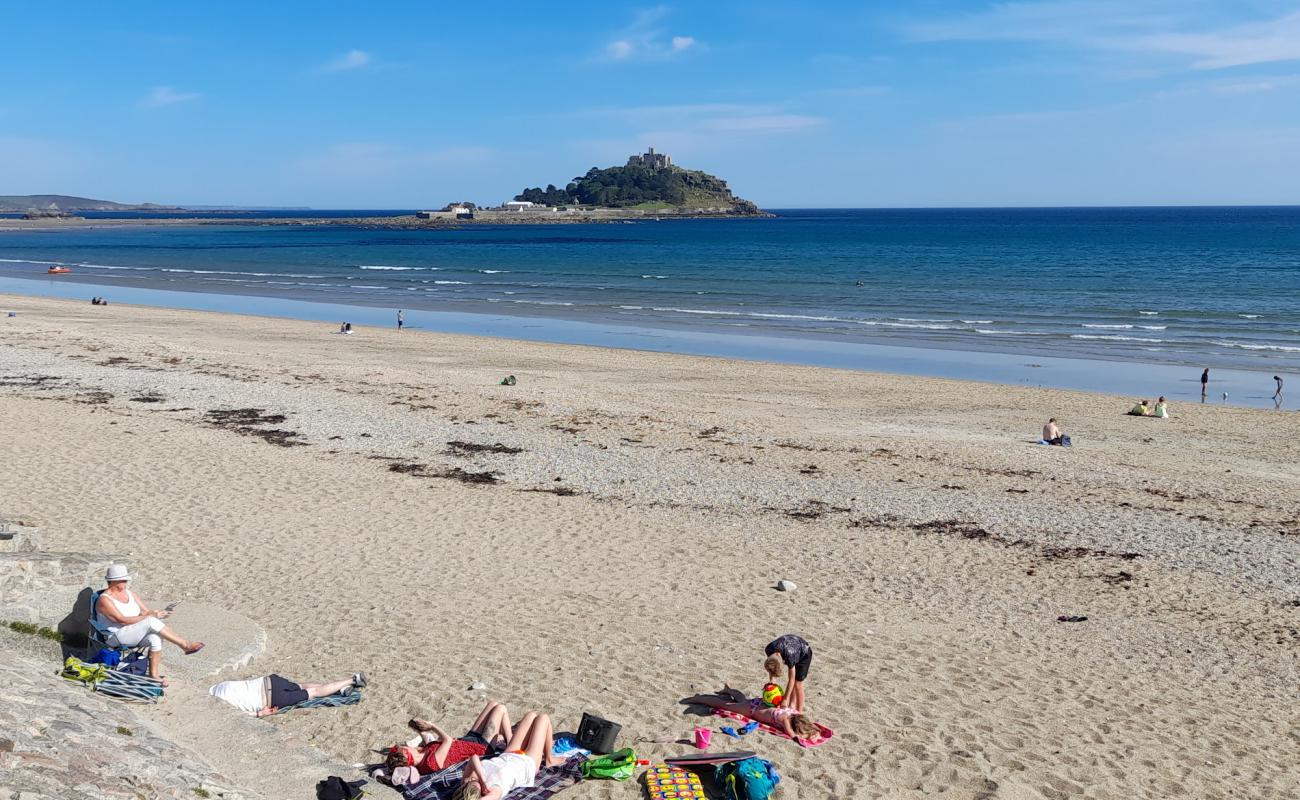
625,556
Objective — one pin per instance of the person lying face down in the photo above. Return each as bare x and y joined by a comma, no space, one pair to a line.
435,750
264,696
528,750
787,720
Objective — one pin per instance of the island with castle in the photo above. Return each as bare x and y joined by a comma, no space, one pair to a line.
649,187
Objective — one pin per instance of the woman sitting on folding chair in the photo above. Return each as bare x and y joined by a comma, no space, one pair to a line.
129,622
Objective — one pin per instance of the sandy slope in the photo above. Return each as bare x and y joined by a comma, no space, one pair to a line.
933,546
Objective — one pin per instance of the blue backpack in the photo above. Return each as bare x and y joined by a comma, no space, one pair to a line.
750,779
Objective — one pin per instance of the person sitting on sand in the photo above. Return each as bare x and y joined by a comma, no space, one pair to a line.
795,654
1139,410
1052,434
130,621
785,719
435,750
264,696
528,750
1161,410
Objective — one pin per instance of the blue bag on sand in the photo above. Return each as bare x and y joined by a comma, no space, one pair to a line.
751,779
107,657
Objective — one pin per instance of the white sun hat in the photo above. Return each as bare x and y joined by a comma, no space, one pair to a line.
117,572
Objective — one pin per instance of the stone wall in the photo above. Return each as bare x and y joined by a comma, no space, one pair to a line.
50,589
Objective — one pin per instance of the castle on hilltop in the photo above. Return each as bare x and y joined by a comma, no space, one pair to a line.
651,160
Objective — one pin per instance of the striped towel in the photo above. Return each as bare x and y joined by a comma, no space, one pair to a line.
826,733
550,780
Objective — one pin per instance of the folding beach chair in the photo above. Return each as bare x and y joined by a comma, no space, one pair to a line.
99,637
122,685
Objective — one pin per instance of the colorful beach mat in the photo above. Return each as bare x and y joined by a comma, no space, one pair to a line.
826,733
663,782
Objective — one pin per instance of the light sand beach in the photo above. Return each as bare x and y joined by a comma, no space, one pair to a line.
605,536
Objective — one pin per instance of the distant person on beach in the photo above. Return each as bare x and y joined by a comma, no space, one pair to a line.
1139,410
1162,409
264,696
1278,394
131,622
401,320
1205,381
1052,434
435,750
528,750
795,654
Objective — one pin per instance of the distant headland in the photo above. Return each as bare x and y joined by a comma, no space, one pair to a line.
648,187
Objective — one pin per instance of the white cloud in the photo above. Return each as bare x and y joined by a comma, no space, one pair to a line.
619,49
352,59
1240,45
707,117
647,39
1104,25
160,96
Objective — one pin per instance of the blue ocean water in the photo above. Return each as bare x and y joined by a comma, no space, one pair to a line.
1213,287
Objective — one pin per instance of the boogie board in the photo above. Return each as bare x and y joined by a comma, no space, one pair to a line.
707,759
663,782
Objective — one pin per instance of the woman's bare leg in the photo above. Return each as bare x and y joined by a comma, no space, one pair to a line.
493,721
520,735
175,638
541,743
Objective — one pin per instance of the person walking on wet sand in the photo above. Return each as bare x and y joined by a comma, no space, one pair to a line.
401,320
1277,396
1205,380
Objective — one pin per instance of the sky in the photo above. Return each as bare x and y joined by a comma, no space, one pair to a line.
814,104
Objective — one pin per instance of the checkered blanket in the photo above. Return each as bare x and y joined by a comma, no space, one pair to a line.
550,780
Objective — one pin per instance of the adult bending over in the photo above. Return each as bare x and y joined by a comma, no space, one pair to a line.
264,696
435,750
787,719
527,751
130,621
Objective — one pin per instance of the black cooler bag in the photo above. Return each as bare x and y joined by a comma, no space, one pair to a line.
598,735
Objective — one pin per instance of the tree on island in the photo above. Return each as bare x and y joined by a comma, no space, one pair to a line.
622,187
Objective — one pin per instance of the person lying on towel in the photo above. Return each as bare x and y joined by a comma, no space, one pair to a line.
434,750
787,720
264,696
528,750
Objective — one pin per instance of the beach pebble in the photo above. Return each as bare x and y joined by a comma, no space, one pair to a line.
477,686
785,586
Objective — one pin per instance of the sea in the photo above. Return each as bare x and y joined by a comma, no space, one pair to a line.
1179,288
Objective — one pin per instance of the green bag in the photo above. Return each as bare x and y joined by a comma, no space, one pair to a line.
618,765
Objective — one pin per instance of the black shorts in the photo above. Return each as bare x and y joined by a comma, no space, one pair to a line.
476,738
285,692
801,669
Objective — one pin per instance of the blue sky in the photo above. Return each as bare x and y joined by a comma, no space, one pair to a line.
927,103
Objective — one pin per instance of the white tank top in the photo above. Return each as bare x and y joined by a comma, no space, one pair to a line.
131,608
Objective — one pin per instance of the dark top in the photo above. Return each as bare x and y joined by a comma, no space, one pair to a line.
793,649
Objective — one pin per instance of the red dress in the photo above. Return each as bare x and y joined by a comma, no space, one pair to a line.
461,750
